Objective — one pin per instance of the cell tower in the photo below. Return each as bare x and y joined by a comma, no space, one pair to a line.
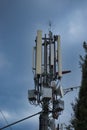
47,92
47,69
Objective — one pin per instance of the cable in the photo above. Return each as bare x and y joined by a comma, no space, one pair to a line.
4,118
66,90
19,121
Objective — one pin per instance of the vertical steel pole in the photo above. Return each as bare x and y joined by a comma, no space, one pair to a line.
45,61
43,119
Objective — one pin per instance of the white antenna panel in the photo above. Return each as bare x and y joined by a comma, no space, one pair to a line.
33,57
39,52
60,91
59,57
52,54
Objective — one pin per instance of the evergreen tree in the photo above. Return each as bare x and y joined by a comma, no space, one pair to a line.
79,120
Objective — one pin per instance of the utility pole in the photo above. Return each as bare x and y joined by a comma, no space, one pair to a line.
47,69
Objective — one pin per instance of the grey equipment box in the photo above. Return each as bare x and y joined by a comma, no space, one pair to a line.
58,105
46,93
31,95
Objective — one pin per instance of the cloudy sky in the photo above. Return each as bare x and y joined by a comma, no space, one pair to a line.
19,22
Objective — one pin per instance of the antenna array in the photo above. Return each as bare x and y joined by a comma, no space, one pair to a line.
47,69
47,92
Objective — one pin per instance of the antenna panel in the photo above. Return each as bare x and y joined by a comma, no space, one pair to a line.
39,52
59,57
52,54
59,91
34,58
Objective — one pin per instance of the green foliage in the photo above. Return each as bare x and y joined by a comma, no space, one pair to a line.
79,119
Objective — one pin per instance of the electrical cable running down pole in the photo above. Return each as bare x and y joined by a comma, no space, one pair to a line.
47,70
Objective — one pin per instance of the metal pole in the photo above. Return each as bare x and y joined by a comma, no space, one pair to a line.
45,62
43,119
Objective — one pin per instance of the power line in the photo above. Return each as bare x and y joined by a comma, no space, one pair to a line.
5,119
19,121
